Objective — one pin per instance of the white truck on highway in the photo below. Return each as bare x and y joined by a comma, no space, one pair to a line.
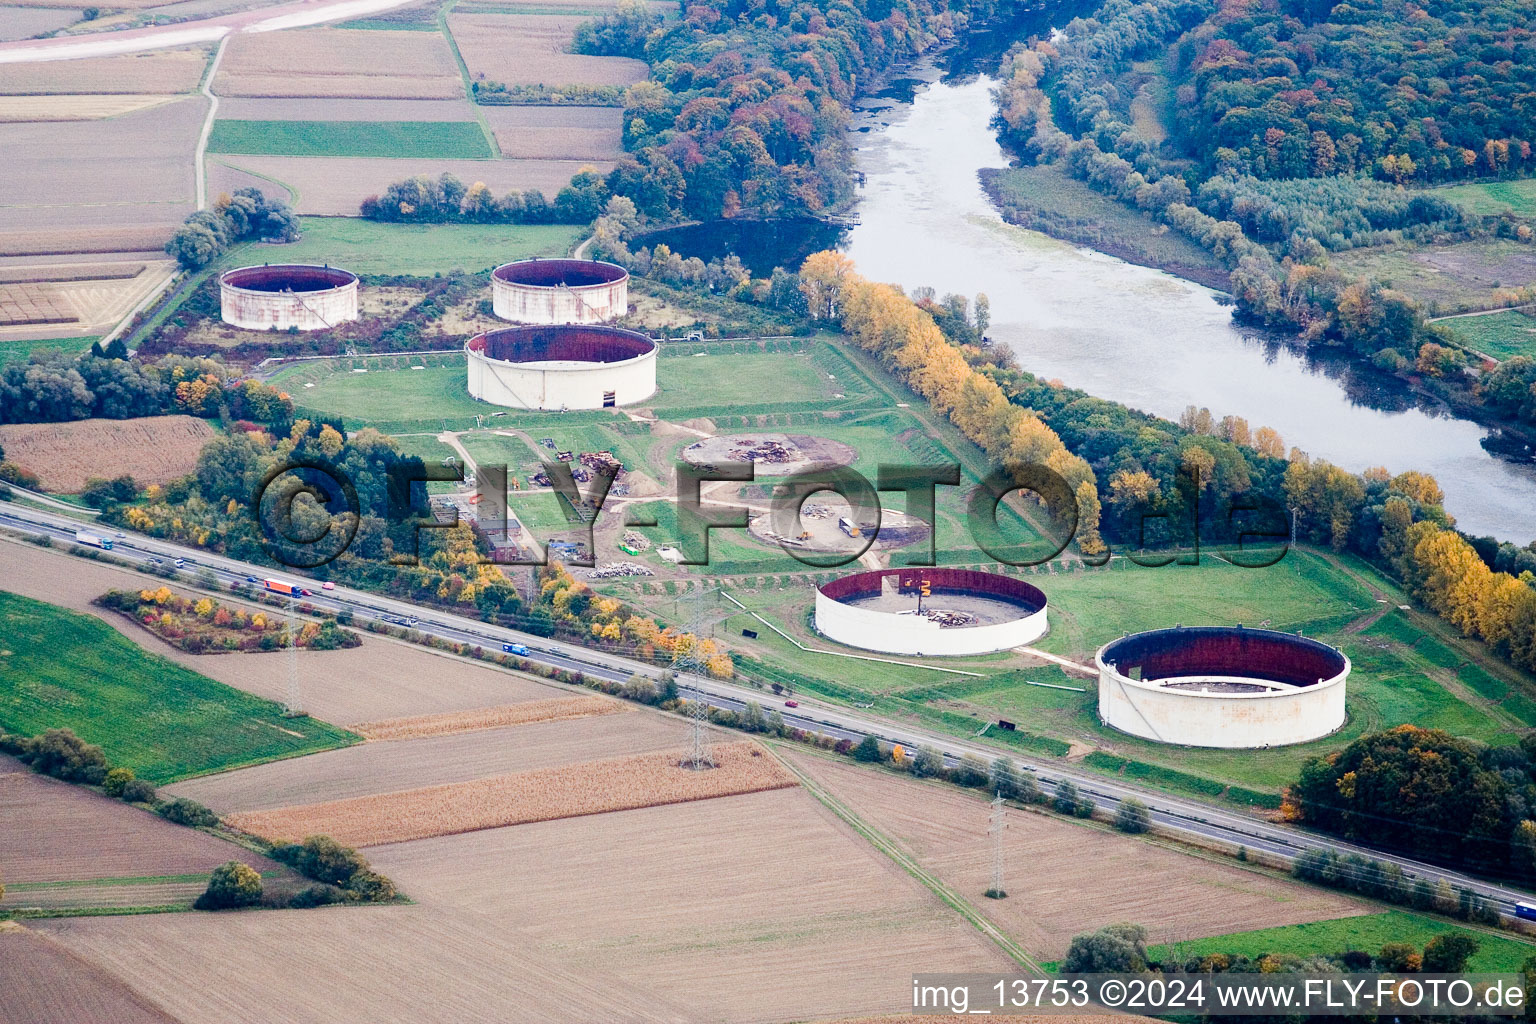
83,537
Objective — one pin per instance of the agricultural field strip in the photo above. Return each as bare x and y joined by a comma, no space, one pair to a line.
51,832
370,769
1064,878
722,900
553,710
152,449
591,787
533,50
44,982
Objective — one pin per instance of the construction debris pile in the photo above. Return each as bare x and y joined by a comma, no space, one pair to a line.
947,619
618,570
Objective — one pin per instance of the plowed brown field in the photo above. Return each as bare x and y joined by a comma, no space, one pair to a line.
528,49
335,62
51,831
1065,879
374,768
593,787
761,907
41,982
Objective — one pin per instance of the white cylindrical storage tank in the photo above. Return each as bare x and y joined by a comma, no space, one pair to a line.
1221,686
964,611
561,367
543,291
288,295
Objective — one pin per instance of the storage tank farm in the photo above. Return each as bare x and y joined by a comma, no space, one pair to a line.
284,296
931,611
1222,686
561,356
559,291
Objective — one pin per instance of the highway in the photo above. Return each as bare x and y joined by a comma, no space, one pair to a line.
1193,819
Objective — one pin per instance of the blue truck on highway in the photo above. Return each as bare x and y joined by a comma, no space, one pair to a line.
515,649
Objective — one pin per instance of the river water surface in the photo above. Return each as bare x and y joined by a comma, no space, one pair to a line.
1131,334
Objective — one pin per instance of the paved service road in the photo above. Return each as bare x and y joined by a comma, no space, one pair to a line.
1193,818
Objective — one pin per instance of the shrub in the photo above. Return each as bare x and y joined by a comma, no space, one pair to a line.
187,812
928,763
972,771
1066,797
868,750
1133,816
325,860
62,754
138,792
369,886
1113,949
1084,808
231,885
116,781
316,896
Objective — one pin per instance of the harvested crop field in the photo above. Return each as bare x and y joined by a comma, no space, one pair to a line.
530,49
334,186
136,172
160,71
76,108
75,298
341,965
25,22
384,768
152,449
332,62
553,710
52,831
592,787
595,133
760,907
241,108
1064,879
382,678
44,983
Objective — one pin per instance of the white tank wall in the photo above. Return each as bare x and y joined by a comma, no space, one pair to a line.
889,633
586,304
561,385
1229,720
308,311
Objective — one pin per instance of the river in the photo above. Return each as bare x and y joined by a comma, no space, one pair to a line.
1131,334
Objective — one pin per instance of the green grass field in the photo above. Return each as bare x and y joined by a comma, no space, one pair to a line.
19,351
1500,335
1494,197
60,669
371,247
425,140
1367,933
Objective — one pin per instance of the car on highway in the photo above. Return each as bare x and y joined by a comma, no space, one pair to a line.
121,534
791,703
515,648
252,579
181,563
327,585
305,593
157,561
